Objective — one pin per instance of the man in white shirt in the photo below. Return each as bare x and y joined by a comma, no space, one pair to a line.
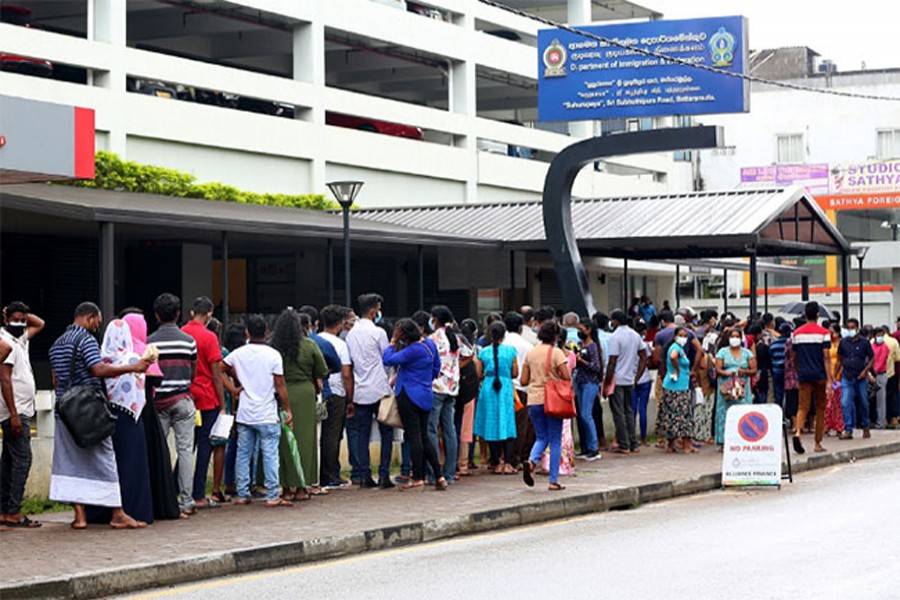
515,326
528,329
627,362
340,405
367,342
17,389
259,372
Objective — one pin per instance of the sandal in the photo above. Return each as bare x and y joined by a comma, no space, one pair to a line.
278,502
412,485
441,485
556,487
207,503
221,498
527,468
243,501
508,469
24,523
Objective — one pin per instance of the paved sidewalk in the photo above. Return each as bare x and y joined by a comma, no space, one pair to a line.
55,561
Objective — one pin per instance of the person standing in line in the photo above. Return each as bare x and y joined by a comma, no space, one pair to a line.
515,329
776,352
495,413
529,325
893,409
259,371
646,309
446,385
640,399
178,361
880,367
855,359
601,325
81,476
675,405
588,375
627,362
209,398
811,344
340,404
367,342
18,388
733,360
547,429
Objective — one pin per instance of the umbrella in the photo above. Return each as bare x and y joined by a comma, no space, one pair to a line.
291,442
797,308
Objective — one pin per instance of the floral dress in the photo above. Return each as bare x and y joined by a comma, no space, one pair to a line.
730,364
834,414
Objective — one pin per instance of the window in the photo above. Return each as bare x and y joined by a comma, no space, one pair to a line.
888,143
789,148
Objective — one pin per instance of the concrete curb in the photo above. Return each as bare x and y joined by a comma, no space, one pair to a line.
210,566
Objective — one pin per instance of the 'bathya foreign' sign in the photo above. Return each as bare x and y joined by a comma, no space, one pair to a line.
582,78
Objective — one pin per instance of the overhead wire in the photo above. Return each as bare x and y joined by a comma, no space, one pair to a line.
680,61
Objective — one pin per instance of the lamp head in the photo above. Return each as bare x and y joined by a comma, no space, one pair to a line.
345,192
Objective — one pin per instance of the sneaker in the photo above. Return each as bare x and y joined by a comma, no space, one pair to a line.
385,484
368,484
592,456
582,455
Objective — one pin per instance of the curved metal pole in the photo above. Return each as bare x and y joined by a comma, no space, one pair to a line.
557,198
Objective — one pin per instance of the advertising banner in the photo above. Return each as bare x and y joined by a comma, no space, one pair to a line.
859,201
812,177
866,177
753,445
581,78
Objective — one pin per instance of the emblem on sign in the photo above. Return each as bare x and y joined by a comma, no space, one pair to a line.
555,60
721,48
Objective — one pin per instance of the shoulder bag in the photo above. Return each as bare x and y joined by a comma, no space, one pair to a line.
559,397
84,410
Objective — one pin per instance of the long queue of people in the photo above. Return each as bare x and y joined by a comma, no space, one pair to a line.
297,385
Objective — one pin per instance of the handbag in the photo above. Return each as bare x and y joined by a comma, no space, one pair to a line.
85,411
559,397
732,388
388,413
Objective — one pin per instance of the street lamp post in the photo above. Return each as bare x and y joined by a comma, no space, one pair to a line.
861,252
345,193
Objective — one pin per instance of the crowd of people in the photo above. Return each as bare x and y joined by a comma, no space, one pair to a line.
295,386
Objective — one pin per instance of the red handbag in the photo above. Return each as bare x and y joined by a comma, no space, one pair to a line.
559,397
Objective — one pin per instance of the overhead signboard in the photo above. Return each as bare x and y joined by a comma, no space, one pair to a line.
866,177
859,201
753,445
812,177
581,78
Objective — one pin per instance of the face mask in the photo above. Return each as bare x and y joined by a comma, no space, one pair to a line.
879,339
16,329
430,325
378,317
850,333
681,340
582,336
612,326
735,342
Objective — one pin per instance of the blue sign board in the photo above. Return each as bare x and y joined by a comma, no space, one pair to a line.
581,78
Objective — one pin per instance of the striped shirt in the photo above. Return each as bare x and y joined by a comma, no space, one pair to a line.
809,342
177,355
88,355
776,349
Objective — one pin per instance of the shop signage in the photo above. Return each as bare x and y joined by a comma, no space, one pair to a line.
859,201
753,446
581,78
866,177
812,177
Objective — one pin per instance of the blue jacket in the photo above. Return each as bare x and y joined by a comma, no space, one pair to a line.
332,360
418,365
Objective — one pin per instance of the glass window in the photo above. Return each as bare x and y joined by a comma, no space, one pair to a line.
789,148
888,143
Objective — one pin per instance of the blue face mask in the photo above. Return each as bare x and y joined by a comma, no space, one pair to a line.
430,325
379,318
849,333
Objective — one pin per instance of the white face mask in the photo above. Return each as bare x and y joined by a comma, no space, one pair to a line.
735,342
681,340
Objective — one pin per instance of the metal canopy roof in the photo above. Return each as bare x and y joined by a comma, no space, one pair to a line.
774,222
190,214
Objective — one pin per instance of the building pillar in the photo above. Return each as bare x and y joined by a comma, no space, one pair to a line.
108,270
462,88
226,307
754,286
309,67
578,12
107,22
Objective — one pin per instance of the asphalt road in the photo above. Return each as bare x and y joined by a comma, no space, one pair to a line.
829,535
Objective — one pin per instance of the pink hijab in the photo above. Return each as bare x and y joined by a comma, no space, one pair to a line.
138,327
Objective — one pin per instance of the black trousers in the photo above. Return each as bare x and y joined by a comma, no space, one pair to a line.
415,433
893,407
597,416
524,434
505,447
330,443
15,463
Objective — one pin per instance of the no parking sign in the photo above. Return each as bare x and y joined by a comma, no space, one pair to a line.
753,445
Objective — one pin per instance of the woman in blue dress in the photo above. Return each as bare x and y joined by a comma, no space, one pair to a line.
495,412
735,366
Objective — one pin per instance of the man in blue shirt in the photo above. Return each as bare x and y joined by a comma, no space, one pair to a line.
854,361
647,310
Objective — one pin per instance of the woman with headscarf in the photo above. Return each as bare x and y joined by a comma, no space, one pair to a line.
127,398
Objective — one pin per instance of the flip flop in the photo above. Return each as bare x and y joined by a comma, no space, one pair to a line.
243,501
527,467
221,498
278,503
210,503
24,523
556,487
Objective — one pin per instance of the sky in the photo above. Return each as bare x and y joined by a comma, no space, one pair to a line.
848,34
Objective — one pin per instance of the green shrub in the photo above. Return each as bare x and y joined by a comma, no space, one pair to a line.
113,173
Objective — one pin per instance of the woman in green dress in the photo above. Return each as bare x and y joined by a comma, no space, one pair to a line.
304,368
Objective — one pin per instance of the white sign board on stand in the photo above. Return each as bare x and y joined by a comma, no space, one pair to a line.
753,446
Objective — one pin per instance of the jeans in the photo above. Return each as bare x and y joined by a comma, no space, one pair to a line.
406,464
597,415
204,451
851,391
778,386
415,432
881,401
548,431
623,417
180,417
267,436
442,414
365,414
585,394
15,463
330,443
639,400
350,426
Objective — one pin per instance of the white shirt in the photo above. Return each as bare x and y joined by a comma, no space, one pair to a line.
626,344
367,342
530,336
523,347
256,366
336,381
22,376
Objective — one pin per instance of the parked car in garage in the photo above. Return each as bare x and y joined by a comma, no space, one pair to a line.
375,126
